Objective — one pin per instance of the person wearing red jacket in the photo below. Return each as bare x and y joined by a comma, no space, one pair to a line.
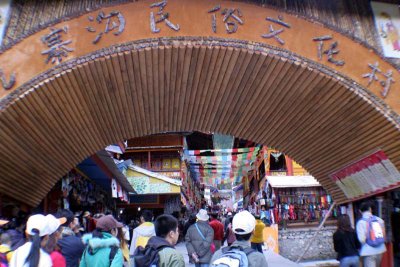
218,228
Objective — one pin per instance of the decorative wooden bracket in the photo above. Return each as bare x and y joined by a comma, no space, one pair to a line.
7,85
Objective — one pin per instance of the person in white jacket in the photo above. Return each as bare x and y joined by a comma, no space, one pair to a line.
143,232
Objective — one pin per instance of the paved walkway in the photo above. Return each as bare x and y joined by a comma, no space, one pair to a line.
274,260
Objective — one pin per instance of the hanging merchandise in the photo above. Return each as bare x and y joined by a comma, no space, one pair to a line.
120,192
114,191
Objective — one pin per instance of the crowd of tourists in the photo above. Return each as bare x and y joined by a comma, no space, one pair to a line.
60,240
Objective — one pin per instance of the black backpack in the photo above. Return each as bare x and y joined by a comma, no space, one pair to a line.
146,257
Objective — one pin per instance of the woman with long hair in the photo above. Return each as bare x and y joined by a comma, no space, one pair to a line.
30,254
123,244
50,245
346,243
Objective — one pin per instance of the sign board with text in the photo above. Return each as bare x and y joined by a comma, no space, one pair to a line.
368,176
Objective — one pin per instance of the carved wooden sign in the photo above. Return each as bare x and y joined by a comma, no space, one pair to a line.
169,18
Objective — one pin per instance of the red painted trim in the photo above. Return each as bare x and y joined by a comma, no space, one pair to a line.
289,165
122,146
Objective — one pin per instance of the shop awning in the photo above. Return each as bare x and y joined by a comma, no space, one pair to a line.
101,168
292,181
108,161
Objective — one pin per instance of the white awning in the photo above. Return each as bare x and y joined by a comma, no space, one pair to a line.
292,181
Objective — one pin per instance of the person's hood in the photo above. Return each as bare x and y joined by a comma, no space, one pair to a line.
96,243
156,242
366,214
66,231
146,229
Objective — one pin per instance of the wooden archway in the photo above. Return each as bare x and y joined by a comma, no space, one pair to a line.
318,113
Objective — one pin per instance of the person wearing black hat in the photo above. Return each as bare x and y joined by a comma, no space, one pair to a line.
71,245
103,248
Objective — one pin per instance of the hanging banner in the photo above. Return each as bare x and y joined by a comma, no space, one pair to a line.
114,188
223,151
387,23
369,176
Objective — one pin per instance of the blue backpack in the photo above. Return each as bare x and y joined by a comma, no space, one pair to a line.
375,233
233,256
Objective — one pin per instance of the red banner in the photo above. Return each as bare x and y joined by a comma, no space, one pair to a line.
371,175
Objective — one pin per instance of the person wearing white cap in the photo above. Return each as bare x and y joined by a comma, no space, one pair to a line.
38,227
199,238
54,234
243,225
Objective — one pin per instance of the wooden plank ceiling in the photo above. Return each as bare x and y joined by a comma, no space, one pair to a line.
290,106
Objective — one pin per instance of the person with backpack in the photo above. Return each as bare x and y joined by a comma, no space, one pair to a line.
199,239
5,250
371,234
143,232
229,234
218,228
240,252
345,243
160,249
102,246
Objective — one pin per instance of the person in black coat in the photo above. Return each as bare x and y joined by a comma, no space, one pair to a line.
71,245
346,243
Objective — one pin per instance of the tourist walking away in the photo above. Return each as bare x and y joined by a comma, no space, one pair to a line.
190,222
199,239
5,249
102,246
240,252
218,228
89,222
122,236
371,234
143,232
257,240
346,243
229,234
31,254
50,244
71,245
160,249
228,219
16,228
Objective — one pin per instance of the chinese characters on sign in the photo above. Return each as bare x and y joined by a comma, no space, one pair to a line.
275,33
373,76
329,52
161,17
115,22
7,85
231,18
57,47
